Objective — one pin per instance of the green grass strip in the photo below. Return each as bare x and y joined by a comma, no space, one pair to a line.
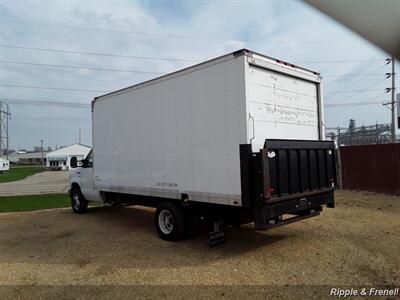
18,173
33,202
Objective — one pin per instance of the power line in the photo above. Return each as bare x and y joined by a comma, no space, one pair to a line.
97,53
162,1
50,88
353,91
68,51
360,79
45,103
337,61
79,67
107,91
49,118
353,103
179,36
356,105
352,75
363,90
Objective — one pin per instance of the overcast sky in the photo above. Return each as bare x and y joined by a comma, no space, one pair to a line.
182,32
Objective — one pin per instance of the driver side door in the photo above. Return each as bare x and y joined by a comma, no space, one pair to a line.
86,179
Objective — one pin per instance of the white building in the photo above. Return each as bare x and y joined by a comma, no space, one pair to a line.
60,158
27,158
4,164
13,157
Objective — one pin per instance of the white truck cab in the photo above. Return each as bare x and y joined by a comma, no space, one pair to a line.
81,183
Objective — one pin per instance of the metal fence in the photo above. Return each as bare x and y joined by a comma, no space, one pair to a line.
364,135
371,167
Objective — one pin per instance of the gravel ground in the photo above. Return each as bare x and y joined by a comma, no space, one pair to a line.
355,244
47,182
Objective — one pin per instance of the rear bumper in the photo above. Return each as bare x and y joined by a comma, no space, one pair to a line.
303,206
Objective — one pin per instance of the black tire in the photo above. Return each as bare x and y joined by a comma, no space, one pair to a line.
78,202
170,221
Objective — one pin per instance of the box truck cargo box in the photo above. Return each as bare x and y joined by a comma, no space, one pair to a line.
237,137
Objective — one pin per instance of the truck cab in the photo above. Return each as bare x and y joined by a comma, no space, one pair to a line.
82,184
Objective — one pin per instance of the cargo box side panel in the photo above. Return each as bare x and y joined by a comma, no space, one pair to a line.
281,106
105,146
218,128
176,136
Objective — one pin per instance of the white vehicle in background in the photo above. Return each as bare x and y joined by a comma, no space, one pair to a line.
4,165
239,138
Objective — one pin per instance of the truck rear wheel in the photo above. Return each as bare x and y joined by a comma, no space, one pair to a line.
170,221
78,202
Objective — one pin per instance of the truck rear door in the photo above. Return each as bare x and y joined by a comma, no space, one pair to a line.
282,106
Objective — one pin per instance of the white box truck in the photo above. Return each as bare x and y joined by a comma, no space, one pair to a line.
239,138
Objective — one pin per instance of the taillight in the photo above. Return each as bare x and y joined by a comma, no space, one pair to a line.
332,180
269,191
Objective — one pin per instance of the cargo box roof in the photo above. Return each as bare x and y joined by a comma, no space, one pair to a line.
225,57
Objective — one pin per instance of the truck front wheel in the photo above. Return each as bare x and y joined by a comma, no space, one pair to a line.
170,221
78,202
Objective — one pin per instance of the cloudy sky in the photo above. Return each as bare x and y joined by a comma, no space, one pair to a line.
57,55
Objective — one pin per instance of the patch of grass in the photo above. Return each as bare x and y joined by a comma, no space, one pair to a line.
18,173
33,202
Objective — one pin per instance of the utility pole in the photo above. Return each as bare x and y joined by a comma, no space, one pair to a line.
5,115
393,104
7,131
80,136
1,130
41,147
339,163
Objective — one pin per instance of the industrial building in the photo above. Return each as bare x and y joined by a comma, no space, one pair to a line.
60,158
27,158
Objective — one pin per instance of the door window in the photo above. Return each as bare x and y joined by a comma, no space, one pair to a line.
90,160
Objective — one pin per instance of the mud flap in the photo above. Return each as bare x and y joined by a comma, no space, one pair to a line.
217,235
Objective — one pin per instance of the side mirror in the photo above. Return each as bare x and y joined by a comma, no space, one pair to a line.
74,162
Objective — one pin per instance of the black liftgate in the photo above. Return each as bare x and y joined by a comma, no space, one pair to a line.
288,177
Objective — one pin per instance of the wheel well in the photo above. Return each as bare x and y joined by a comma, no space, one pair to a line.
74,185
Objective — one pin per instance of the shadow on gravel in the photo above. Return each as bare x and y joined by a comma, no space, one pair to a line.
116,237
